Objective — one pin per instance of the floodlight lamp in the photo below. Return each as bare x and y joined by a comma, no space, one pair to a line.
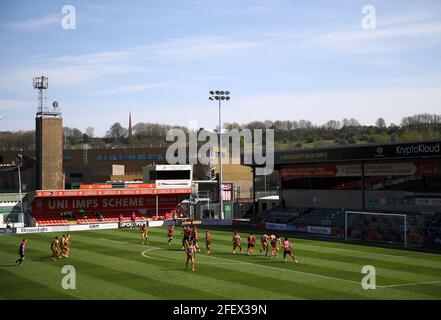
222,98
217,97
211,92
227,92
222,93
217,92
228,98
210,98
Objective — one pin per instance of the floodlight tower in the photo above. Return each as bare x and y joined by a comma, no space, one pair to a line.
220,96
48,141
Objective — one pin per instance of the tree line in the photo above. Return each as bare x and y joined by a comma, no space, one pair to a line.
287,133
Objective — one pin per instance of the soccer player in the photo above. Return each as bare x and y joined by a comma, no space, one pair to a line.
208,241
191,252
63,246
67,245
287,246
236,242
279,243
273,241
264,244
133,219
21,252
187,233
195,238
171,233
55,251
144,234
251,242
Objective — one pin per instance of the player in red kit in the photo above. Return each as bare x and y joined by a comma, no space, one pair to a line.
287,250
186,236
273,241
251,243
171,234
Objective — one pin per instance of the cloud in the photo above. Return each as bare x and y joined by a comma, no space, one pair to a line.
67,70
7,105
101,7
128,89
413,30
36,24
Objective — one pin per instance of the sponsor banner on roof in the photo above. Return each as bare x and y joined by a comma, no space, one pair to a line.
107,203
370,169
113,192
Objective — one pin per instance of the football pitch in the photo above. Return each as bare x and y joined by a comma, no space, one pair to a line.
111,264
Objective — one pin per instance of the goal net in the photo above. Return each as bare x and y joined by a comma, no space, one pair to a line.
376,227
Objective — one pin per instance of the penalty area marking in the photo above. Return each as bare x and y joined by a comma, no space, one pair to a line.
333,278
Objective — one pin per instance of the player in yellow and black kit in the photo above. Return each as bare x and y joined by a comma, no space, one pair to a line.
144,234
236,242
55,251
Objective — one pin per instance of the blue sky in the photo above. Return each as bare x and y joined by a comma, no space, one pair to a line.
280,59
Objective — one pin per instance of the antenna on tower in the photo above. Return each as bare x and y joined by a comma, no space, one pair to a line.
41,84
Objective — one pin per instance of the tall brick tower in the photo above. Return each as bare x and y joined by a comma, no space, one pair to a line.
48,141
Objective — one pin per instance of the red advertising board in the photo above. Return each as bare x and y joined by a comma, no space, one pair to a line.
227,191
96,186
140,185
309,171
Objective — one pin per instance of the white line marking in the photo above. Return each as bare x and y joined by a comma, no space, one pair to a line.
410,284
332,278
296,271
154,258
179,259
116,241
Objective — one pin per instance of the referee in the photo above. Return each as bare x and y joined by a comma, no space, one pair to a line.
21,252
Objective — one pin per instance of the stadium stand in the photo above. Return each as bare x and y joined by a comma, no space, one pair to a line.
105,217
389,228
50,220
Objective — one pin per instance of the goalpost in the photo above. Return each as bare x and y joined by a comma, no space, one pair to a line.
376,227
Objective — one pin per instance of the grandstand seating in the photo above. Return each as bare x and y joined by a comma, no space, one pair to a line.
108,217
50,220
427,224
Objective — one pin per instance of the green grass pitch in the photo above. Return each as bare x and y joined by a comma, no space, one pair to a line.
111,264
